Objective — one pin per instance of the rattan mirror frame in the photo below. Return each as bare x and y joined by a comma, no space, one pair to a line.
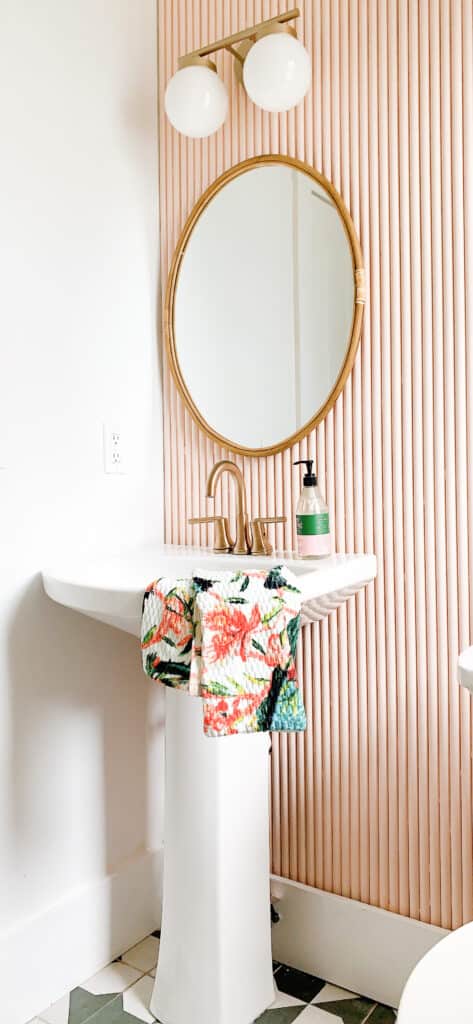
358,306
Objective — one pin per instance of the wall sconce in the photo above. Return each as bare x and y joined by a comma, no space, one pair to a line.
272,64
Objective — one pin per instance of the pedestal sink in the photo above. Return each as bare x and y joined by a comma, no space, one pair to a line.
215,956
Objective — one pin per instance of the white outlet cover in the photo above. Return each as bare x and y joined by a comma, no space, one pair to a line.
113,449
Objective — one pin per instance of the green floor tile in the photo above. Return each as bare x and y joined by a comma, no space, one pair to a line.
284,1015
83,1005
382,1015
350,1011
113,1013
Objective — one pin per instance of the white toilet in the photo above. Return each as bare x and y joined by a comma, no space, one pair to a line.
440,988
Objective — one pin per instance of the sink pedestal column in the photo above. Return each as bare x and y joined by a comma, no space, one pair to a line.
215,963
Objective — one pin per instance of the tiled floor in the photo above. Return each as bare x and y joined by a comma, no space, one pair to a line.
120,994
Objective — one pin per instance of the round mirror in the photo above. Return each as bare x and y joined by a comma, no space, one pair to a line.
264,304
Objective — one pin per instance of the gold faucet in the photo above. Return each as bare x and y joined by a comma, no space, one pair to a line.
242,543
249,540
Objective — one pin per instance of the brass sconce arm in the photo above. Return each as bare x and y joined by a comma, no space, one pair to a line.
280,22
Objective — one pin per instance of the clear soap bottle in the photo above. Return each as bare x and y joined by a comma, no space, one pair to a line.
312,517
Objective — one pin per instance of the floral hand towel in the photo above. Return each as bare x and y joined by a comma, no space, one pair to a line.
230,639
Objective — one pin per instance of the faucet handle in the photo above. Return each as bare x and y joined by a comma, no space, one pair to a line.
222,539
261,544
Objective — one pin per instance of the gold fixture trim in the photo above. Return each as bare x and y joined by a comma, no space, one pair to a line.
261,544
193,60
222,539
270,30
252,33
358,305
251,539
241,545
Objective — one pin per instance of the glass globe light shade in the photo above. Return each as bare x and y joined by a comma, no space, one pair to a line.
277,72
196,101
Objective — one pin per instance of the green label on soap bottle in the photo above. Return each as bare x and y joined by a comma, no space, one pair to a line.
312,525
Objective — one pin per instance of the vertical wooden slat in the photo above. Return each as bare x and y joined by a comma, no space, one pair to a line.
375,801
389,762
406,590
433,838
418,482
463,798
449,427
439,465
467,82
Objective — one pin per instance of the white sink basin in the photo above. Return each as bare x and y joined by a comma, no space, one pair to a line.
110,587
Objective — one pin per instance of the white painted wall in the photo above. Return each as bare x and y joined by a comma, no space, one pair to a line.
80,726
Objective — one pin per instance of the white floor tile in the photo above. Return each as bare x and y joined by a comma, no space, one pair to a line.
283,999
331,994
136,999
313,1015
114,978
58,1013
144,956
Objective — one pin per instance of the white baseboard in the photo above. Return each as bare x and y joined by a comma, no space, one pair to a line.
49,954
353,945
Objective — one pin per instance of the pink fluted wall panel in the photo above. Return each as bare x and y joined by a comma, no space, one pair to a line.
375,801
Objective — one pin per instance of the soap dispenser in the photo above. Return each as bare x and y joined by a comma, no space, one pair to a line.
313,527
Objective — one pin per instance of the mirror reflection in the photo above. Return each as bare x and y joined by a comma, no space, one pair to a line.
264,305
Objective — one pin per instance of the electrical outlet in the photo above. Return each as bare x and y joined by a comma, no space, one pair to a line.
113,449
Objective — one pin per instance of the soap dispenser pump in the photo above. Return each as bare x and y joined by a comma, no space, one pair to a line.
312,517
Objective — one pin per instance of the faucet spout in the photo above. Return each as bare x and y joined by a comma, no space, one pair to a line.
241,545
